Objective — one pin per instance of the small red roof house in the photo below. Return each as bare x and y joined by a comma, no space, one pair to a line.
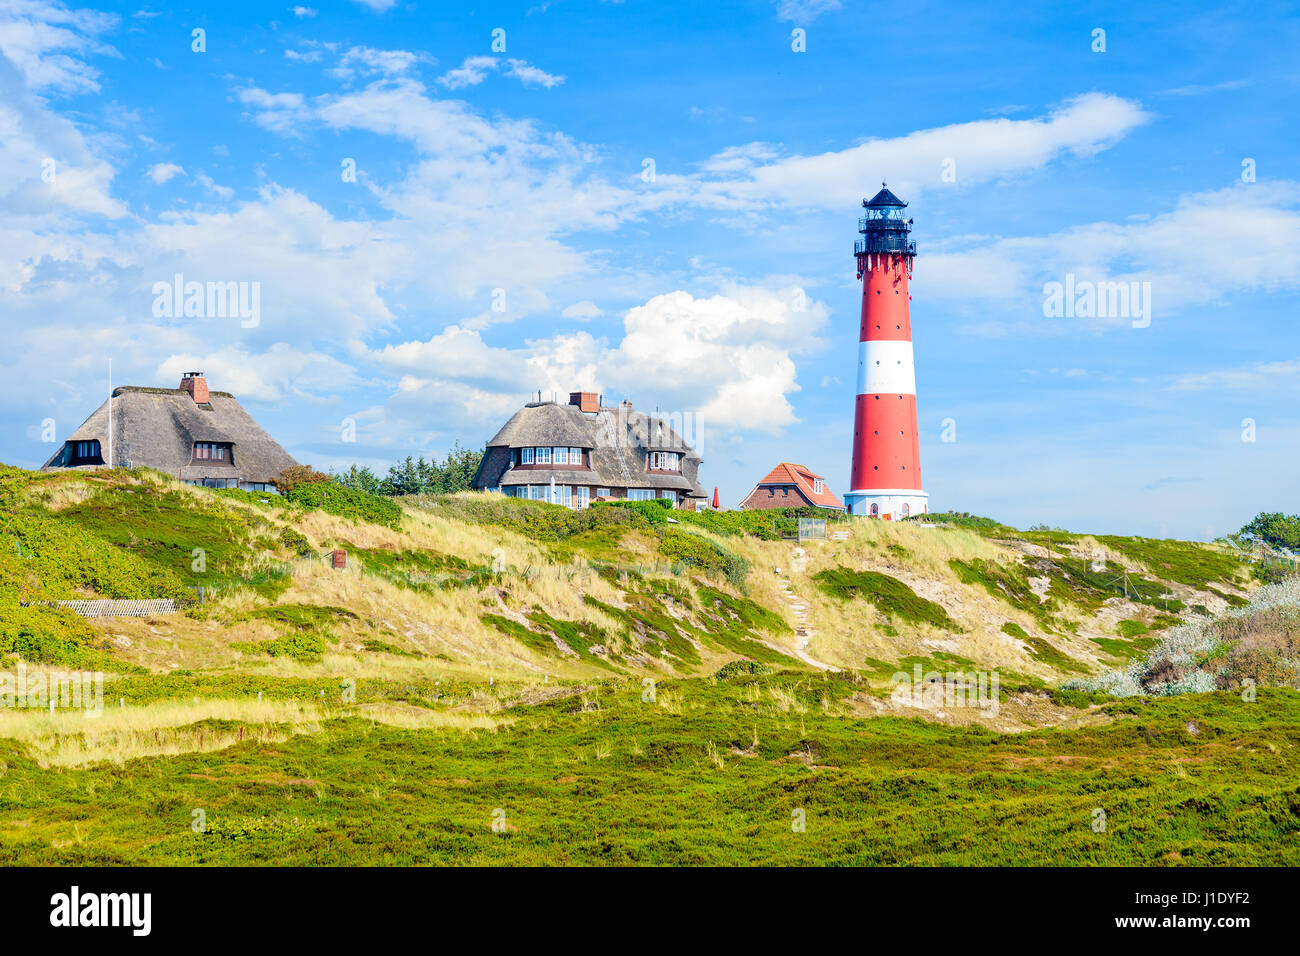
791,486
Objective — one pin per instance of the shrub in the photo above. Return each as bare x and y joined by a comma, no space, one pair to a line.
697,551
296,476
655,510
335,499
890,596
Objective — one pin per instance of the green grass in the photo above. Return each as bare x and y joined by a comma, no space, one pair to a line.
1040,649
1007,582
889,595
624,782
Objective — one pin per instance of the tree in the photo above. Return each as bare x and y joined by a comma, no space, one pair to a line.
1275,529
296,475
416,476
360,479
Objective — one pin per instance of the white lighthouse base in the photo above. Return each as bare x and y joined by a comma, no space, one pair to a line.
891,504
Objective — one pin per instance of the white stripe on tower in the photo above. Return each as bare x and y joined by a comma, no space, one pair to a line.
885,367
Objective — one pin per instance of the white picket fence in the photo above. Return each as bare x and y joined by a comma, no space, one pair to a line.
111,608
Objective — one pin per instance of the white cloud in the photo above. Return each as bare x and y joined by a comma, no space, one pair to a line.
208,183
583,311
378,6
531,75
303,12
1266,377
804,11
472,71
162,172
367,61
728,358
1167,250
274,374
279,112
47,40
982,151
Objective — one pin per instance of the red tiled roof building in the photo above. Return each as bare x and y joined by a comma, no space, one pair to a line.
791,486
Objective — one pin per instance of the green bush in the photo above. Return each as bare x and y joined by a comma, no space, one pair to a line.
52,635
655,510
697,551
335,499
890,596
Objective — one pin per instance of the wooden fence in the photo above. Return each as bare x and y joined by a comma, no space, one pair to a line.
108,608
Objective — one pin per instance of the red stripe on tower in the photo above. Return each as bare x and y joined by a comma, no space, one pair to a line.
885,480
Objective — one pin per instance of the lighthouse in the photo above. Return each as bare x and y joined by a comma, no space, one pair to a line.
885,479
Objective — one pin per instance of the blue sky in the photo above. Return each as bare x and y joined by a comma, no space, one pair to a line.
660,201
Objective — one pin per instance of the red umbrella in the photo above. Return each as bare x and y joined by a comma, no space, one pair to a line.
715,496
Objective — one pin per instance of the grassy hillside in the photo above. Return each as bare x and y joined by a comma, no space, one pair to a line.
603,676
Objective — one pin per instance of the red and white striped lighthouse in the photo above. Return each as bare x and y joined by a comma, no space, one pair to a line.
886,475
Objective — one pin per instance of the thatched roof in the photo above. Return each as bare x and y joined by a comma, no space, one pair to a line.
158,427
618,438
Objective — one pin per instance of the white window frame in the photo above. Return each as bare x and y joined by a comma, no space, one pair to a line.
525,456
543,456
603,493
575,456
584,497
819,486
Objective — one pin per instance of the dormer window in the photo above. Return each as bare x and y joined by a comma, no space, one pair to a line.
525,456
84,453
665,461
543,456
819,486
213,451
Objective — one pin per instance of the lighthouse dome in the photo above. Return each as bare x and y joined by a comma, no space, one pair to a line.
883,198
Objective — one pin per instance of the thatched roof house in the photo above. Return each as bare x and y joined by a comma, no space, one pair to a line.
198,436
585,451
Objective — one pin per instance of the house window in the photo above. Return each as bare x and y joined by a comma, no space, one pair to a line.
665,461
543,456
575,456
85,453
561,456
212,451
584,496
603,493
537,492
819,486
525,456
640,494
671,495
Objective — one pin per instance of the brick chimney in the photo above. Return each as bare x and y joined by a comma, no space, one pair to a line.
197,386
586,401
